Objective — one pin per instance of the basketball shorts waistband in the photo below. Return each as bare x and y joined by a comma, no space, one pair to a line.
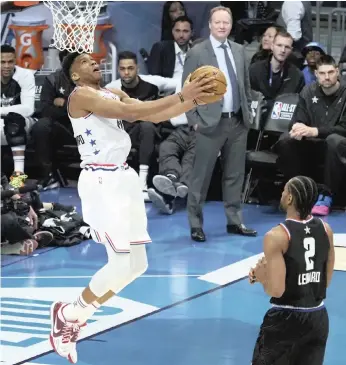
299,309
106,167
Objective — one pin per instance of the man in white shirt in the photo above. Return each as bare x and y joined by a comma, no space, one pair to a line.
176,156
296,18
167,58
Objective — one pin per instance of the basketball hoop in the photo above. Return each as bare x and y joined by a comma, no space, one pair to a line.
74,24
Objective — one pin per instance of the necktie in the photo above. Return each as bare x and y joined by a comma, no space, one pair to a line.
233,79
180,59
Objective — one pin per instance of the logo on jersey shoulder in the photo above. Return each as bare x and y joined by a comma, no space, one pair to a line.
80,140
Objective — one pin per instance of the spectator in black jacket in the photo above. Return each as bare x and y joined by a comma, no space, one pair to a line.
54,129
167,58
276,76
318,134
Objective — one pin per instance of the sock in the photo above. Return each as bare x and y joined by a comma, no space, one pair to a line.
79,310
143,174
18,160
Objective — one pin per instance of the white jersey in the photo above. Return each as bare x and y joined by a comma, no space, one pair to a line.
101,140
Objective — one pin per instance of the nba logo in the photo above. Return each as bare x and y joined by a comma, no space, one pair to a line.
277,110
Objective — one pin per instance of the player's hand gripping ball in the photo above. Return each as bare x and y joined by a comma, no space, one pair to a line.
220,81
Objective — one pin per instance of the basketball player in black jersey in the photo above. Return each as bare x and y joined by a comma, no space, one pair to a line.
295,271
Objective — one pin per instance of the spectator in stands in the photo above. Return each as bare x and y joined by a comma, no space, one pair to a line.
259,15
296,18
312,52
167,57
143,134
176,156
318,133
17,106
276,76
54,129
265,48
171,11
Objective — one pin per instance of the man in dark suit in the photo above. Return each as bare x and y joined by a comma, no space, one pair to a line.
167,57
221,126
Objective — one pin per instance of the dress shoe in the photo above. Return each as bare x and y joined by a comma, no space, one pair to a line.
197,234
241,229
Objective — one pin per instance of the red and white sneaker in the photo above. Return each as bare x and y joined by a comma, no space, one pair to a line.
73,357
61,330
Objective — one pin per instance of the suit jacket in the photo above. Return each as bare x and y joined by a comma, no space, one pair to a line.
208,116
162,59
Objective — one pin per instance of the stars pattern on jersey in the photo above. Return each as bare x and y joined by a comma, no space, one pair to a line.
62,91
307,230
314,100
92,141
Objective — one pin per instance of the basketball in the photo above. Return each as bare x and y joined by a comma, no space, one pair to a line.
221,82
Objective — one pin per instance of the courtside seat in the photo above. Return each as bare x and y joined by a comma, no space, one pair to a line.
262,162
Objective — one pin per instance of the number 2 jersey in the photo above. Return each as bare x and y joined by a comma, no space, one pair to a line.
306,264
101,140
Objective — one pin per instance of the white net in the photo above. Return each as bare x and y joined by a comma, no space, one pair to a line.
74,24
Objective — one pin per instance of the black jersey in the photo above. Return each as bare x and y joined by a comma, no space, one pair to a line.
306,263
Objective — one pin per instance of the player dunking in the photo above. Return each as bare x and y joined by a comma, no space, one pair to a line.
297,268
109,189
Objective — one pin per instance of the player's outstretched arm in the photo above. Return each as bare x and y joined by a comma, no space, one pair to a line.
271,271
331,255
85,99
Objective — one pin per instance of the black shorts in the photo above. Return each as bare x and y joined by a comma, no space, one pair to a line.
291,337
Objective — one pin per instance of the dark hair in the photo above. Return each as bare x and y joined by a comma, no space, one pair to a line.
283,33
63,54
183,18
68,62
305,193
127,55
166,22
326,60
6,48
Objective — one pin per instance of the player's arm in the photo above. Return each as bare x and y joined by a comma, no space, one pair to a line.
158,117
90,101
272,272
331,255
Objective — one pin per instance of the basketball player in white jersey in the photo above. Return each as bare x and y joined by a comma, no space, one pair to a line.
109,189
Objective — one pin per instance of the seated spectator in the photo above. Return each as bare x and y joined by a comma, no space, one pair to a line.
17,106
143,134
171,11
176,156
259,15
54,129
19,223
312,52
276,76
167,58
265,48
318,134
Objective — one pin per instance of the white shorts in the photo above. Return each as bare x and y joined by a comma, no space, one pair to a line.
113,205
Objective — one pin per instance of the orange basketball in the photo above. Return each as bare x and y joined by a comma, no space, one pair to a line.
221,82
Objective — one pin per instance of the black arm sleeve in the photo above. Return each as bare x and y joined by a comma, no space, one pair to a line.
48,108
